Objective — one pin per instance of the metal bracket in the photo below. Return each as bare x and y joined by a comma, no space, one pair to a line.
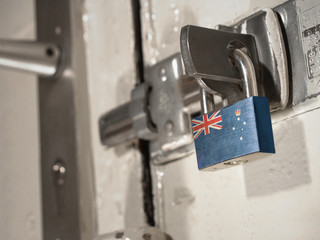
168,111
159,112
265,27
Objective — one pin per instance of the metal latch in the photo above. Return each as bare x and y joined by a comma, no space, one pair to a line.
161,107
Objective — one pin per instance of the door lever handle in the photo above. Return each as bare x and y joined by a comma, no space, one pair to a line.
28,56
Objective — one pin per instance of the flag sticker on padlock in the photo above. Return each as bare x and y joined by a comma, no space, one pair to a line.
233,135
206,122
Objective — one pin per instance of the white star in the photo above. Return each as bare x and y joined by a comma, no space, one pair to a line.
233,128
244,123
241,138
238,119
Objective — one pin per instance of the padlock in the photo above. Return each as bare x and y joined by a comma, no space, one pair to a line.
237,133
233,135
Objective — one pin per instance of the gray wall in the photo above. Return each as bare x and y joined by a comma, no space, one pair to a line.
20,203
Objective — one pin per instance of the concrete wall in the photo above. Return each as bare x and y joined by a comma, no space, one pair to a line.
20,201
111,76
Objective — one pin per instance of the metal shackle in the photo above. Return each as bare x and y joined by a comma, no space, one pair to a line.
239,57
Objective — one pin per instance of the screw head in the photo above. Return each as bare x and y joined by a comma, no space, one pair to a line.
147,236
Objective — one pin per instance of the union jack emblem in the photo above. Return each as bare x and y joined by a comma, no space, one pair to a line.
205,125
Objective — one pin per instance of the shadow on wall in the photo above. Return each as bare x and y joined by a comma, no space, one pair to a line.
134,216
288,168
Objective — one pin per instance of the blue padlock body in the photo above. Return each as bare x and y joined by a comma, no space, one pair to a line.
235,131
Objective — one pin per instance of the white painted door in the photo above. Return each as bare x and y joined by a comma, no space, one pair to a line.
272,198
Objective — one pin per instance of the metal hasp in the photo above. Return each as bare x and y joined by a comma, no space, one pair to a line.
204,53
161,107
66,171
159,111
34,57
